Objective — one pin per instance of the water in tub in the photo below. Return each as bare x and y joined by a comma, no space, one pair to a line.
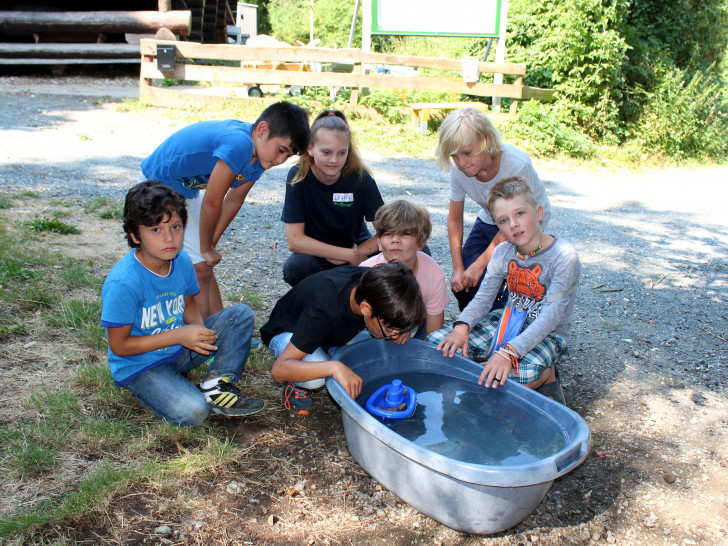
467,422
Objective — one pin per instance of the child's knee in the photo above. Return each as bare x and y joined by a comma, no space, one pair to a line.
191,413
243,317
239,318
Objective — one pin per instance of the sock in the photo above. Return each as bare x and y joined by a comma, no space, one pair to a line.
212,382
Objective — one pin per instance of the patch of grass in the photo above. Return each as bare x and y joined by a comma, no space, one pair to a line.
81,318
92,495
79,276
14,269
29,194
114,212
52,224
36,297
96,203
33,445
6,201
94,378
106,208
61,213
250,296
132,105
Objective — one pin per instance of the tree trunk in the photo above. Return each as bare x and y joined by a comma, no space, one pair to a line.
96,21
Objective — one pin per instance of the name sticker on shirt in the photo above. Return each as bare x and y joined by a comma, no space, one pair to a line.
343,199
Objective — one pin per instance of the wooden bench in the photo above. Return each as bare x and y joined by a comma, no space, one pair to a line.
421,111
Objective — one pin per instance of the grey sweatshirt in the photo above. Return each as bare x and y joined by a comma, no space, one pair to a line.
538,284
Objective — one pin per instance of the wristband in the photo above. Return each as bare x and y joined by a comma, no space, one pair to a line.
512,354
460,322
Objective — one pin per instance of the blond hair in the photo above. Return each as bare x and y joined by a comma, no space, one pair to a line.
510,187
462,128
332,120
401,216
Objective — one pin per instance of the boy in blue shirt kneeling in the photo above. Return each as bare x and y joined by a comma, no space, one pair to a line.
154,327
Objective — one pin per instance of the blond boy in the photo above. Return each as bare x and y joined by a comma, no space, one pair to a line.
542,273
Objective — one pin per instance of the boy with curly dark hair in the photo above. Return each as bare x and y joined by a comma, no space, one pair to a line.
154,327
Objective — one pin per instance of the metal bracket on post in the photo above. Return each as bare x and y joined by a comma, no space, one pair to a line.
165,57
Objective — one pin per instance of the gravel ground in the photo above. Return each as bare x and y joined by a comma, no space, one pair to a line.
648,365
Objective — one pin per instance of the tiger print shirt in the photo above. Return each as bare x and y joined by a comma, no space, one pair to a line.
553,271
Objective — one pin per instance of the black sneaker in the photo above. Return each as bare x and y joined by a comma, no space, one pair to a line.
225,399
296,399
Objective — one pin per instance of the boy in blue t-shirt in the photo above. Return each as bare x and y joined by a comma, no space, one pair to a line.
224,158
154,327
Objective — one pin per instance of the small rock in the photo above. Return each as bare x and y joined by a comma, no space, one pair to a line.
233,488
163,530
669,477
584,535
272,520
611,539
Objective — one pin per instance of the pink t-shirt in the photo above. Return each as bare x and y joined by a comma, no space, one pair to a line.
430,277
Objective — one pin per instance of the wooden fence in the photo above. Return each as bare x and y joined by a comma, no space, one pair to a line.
305,67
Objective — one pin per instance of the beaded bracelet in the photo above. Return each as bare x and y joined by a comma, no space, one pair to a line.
510,354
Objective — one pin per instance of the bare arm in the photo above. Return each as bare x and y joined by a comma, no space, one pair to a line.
434,322
192,312
193,336
221,179
475,272
290,366
230,208
455,236
299,242
369,247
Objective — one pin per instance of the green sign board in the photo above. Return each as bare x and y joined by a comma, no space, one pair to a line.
472,18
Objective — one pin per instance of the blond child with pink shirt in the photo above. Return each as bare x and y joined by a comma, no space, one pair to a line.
402,231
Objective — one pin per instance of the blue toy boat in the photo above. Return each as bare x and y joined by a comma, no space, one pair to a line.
477,460
392,401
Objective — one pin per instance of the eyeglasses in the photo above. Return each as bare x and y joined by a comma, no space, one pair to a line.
386,337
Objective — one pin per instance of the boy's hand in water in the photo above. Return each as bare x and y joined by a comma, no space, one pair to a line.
349,380
496,371
457,339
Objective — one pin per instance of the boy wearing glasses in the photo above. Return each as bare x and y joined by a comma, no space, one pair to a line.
325,311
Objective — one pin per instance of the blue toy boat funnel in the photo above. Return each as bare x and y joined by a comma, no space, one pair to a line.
392,401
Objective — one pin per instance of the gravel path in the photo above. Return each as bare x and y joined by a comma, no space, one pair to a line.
648,366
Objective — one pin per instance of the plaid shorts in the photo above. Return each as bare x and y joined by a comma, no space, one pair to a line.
530,366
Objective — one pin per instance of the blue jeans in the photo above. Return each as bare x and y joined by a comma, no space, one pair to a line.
479,239
171,397
279,342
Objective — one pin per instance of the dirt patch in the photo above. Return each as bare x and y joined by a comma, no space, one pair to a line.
647,368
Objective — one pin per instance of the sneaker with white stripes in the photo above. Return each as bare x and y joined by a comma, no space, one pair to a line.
225,399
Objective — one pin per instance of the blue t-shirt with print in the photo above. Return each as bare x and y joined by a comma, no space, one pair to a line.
151,304
185,160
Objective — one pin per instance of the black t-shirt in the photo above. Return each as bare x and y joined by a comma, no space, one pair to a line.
317,310
332,214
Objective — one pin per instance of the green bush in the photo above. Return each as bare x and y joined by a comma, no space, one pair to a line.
547,130
290,20
686,117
